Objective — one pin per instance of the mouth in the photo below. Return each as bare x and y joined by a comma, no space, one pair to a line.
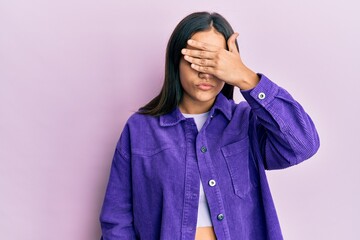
204,86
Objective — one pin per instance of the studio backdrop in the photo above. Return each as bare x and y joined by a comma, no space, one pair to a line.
72,72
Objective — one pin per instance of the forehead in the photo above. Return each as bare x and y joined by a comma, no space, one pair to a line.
210,36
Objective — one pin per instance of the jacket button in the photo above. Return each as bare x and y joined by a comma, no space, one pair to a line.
212,183
261,96
203,149
220,217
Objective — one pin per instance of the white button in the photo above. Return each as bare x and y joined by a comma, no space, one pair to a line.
212,183
261,96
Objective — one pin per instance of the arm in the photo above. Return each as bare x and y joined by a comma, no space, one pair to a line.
283,131
116,216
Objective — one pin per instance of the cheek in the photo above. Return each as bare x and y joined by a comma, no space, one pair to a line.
219,84
185,67
186,72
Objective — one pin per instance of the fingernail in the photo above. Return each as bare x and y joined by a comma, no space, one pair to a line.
189,41
183,51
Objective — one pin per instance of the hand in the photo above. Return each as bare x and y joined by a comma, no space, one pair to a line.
223,64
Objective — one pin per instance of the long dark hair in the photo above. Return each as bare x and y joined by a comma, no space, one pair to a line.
172,91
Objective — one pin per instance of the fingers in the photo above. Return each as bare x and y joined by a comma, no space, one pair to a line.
202,46
198,53
200,61
231,43
203,69
203,58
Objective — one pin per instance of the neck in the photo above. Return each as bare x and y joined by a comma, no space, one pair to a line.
189,107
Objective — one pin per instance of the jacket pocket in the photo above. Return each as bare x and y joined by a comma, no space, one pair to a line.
237,159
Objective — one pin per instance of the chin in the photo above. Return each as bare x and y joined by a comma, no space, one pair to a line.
206,97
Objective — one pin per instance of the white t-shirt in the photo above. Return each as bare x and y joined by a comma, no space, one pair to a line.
204,219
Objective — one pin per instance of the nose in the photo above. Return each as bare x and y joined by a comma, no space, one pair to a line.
205,75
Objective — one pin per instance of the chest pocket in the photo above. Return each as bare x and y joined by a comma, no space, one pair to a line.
240,166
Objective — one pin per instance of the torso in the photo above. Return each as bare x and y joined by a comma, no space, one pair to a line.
205,233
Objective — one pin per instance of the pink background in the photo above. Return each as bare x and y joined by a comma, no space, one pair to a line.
72,72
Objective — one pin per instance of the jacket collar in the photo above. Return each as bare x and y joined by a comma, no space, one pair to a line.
222,104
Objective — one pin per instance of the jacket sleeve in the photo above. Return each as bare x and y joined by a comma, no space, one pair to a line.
281,131
116,216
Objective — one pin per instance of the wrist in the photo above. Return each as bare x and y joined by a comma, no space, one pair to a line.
249,81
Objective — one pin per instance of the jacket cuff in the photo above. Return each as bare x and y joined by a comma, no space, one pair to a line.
262,94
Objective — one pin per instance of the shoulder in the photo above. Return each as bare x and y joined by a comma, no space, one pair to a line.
138,118
138,121
230,108
241,111
135,125
240,105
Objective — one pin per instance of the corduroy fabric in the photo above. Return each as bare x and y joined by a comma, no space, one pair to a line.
153,189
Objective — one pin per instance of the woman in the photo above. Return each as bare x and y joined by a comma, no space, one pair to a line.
191,163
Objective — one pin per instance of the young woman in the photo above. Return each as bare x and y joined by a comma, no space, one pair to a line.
191,163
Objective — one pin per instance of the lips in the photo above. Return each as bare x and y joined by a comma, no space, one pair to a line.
205,86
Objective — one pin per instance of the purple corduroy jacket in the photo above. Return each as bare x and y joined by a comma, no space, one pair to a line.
153,189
